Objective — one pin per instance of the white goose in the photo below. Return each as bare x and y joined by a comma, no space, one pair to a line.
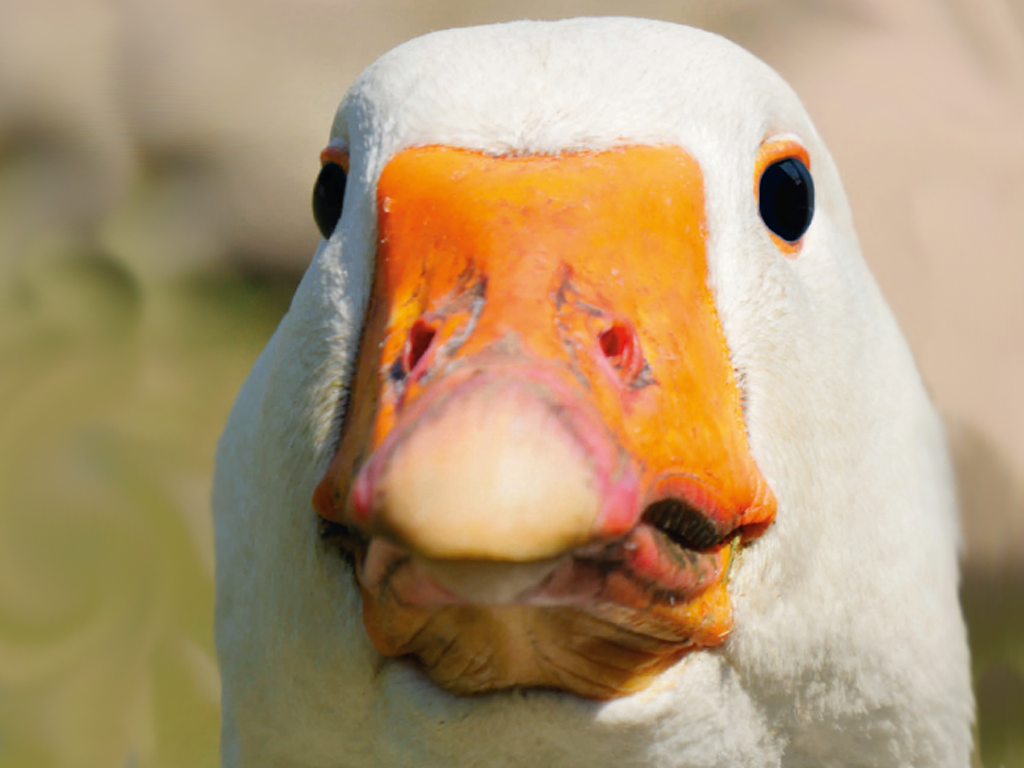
619,456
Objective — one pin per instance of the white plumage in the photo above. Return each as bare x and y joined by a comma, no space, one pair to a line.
848,646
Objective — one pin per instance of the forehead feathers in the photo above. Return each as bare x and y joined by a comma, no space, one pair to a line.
544,88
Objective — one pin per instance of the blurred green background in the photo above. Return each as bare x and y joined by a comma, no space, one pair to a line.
156,163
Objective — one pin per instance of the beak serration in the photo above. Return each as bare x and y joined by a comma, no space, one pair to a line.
683,524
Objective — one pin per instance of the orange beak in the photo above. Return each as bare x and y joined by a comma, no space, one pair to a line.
543,379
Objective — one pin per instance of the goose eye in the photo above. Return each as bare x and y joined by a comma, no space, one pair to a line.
786,198
328,196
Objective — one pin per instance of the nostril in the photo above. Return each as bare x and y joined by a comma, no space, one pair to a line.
614,341
421,336
619,345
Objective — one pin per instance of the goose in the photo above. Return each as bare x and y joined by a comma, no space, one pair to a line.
588,438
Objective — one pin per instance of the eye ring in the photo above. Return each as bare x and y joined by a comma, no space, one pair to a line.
786,198
771,151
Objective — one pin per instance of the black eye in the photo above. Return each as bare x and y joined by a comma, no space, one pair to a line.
328,196
786,198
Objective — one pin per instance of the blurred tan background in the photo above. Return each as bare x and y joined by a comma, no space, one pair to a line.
156,164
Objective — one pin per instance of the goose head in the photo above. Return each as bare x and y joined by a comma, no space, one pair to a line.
588,437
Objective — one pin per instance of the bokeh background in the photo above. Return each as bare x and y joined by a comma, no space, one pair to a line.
156,163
